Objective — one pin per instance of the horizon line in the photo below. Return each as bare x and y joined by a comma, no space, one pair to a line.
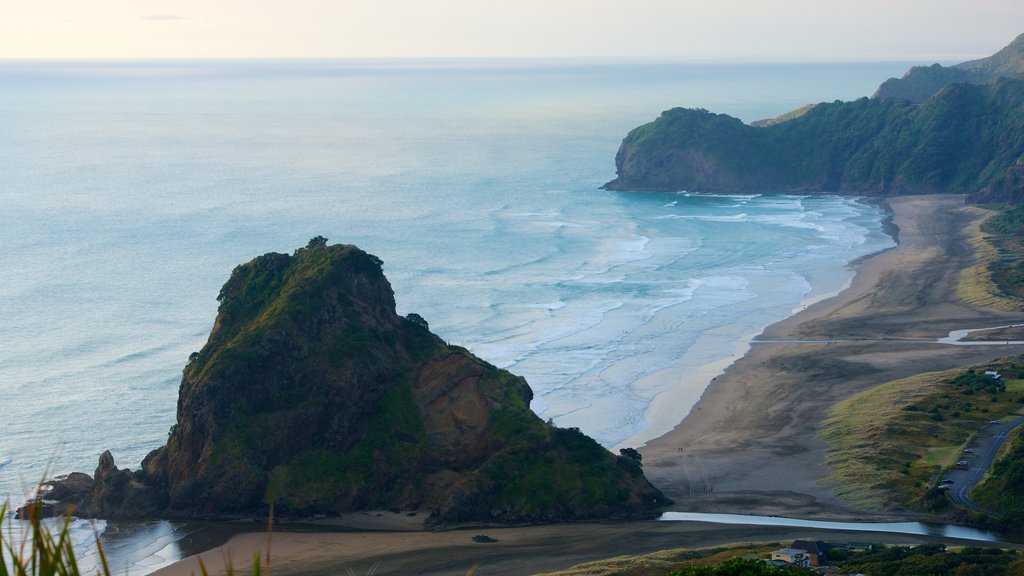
835,59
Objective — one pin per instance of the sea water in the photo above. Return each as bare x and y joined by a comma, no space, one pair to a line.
129,191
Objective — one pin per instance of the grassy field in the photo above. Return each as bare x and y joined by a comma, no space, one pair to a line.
997,280
665,561
977,286
886,445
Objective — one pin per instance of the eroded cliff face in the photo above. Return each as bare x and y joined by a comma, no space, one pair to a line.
314,395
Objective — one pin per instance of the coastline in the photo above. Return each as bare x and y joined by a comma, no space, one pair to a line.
749,446
752,440
692,378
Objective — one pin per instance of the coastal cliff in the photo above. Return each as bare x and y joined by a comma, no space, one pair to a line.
314,395
967,138
936,130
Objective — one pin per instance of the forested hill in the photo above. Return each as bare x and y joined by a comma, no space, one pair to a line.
967,138
921,82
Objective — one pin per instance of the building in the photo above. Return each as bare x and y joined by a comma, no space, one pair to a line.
817,550
792,557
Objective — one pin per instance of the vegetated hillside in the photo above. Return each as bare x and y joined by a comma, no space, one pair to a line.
966,139
887,443
1003,490
1005,233
750,560
921,82
312,393
784,117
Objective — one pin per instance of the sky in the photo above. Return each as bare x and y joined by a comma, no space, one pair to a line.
699,30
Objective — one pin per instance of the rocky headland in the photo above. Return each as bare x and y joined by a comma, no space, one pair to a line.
313,395
963,138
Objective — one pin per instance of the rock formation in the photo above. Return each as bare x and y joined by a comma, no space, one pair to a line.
314,395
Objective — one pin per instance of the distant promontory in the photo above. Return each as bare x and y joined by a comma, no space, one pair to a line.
965,138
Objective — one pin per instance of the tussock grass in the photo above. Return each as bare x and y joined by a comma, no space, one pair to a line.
976,286
869,442
41,552
664,561
888,443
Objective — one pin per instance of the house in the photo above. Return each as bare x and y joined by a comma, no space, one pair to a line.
993,374
817,550
791,556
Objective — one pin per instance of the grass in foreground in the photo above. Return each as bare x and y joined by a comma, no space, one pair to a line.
40,551
887,444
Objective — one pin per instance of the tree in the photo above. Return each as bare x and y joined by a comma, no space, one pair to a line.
417,320
632,453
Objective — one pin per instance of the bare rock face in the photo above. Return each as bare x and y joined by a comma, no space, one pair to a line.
314,396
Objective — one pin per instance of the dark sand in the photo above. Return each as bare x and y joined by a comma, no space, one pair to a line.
518,551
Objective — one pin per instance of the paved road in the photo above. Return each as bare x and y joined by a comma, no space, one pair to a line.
985,445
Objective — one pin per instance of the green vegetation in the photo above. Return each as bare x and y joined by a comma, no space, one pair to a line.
43,553
748,560
736,567
665,561
934,561
921,82
887,444
314,396
1005,233
978,284
798,112
967,139
1003,490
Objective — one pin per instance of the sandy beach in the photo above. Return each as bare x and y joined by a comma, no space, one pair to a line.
517,551
750,445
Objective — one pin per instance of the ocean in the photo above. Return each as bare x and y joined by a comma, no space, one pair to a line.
129,191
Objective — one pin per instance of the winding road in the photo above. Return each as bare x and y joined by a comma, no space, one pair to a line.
984,446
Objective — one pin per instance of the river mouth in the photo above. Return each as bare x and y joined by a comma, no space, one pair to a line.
910,528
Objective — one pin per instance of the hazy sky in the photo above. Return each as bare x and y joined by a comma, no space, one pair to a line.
745,30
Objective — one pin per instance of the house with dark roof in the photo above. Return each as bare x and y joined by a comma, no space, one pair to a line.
817,550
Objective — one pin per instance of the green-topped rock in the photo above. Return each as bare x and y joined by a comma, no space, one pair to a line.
313,394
